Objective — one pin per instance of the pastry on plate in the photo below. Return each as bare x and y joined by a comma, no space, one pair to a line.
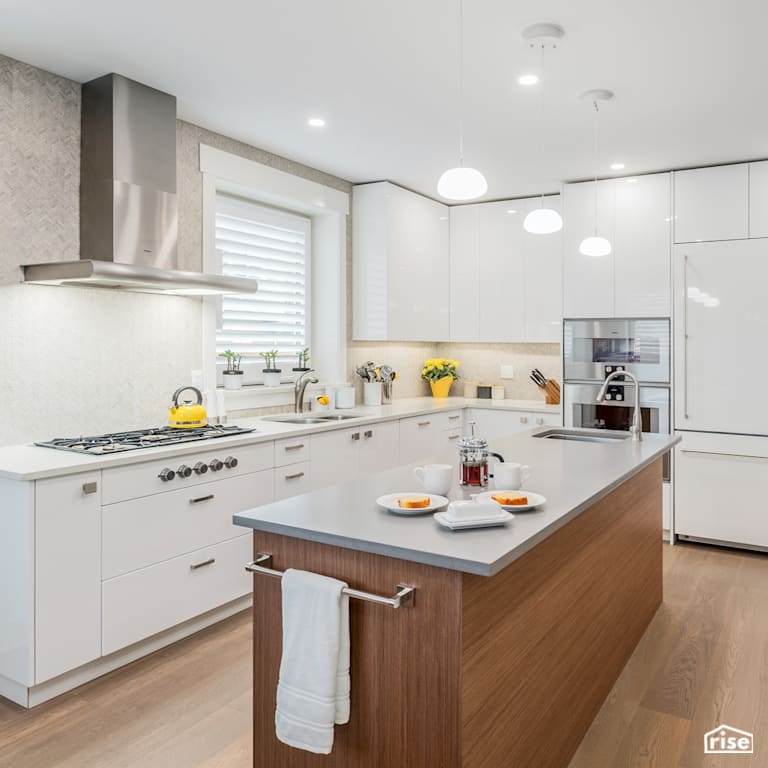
413,502
510,499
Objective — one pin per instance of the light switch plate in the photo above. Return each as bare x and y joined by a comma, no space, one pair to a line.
507,371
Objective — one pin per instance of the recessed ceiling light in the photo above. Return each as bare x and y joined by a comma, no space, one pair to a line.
617,166
316,122
511,210
528,79
633,180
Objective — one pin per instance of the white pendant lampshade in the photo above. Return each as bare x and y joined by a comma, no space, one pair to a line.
595,246
543,221
462,184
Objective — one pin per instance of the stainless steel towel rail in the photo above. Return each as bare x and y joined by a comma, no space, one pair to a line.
404,597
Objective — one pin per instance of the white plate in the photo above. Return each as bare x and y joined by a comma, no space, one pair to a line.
389,502
475,522
534,500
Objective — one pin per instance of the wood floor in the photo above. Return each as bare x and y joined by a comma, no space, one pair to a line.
703,661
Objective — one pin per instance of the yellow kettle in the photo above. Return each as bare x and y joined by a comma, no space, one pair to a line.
188,415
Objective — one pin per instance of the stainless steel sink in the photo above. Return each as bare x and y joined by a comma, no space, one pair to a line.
583,436
311,418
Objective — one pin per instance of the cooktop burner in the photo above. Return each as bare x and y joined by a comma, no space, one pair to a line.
141,438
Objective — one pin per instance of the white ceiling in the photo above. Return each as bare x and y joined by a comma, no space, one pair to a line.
689,77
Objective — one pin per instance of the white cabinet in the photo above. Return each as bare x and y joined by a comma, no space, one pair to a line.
67,573
401,267
634,280
712,204
505,283
378,448
758,199
293,480
721,483
493,424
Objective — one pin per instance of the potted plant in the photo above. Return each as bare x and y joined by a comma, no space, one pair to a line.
302,359
271,372
440,372
233,376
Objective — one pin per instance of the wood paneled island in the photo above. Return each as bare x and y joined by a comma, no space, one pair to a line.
516,634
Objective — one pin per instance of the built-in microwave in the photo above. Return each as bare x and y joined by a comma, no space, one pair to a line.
594,348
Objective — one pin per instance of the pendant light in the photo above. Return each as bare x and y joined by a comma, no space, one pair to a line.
543,220
596,245
461,183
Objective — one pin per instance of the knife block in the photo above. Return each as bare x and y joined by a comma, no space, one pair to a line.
551,392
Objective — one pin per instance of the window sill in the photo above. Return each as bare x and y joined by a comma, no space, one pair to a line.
259,396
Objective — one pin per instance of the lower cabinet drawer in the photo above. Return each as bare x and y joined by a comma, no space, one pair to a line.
141,604
144,531
292,480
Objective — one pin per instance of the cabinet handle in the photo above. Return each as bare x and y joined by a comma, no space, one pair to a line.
294,476
209,561
368,433
201,498
296,447
728,455
424,423
89,488
355,435
452,418
685,336
539,420
454,437
523,419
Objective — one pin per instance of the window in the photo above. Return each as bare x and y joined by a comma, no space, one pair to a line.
272,247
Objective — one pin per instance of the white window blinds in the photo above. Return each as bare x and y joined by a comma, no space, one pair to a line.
272,247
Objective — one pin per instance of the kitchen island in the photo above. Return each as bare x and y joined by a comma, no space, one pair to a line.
516,634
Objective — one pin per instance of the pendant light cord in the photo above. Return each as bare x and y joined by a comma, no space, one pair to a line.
541,119
597,111
461,83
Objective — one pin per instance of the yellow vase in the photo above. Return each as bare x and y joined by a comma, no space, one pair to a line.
441,387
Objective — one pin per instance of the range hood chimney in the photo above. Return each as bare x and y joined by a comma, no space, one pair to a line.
128,206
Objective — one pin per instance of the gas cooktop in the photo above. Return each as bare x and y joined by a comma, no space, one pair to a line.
141,438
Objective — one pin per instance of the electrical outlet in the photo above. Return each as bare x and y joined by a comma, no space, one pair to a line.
508,371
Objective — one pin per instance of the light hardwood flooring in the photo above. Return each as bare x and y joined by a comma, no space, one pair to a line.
703,661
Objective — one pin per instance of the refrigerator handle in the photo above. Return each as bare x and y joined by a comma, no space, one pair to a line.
685,336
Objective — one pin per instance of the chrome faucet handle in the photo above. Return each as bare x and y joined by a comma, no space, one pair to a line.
636,429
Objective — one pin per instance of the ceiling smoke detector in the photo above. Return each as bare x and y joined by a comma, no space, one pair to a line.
543,35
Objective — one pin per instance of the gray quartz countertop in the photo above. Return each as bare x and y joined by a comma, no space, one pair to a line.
571,475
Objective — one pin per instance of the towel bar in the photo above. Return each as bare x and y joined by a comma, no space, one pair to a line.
403,599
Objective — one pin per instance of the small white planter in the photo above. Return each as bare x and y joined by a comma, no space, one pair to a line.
233,379
272,377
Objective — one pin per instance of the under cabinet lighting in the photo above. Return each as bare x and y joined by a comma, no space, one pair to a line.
316,122
617,166
528,79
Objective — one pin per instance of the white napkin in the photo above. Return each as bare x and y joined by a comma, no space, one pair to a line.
313,692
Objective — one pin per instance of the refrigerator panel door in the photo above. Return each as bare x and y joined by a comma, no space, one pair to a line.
721,329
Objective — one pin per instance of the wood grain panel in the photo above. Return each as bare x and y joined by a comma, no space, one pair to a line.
545,640
404,664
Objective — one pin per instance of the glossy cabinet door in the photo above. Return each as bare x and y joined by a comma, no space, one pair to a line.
758,199
588,281
401,265
465,273
67,573
712,204
643,247
378,448
335,457
419,439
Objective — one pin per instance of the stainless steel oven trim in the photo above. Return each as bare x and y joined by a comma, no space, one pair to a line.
658,398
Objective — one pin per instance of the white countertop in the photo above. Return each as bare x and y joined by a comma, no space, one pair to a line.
30,462
571,475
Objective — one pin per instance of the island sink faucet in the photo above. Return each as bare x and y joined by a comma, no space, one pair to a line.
299,387
636,430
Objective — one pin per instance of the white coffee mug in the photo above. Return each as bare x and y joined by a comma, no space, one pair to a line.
509,476
435,478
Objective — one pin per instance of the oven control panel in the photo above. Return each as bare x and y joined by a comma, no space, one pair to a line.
615,391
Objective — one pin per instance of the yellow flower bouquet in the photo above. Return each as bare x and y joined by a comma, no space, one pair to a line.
440,372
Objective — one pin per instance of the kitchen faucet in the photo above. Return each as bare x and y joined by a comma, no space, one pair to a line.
636,430
299,387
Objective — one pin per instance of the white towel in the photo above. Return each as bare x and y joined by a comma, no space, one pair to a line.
313,689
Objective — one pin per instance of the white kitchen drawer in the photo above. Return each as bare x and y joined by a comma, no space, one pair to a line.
449,420
135,480
140,604
144,531
292,480
292,450
419,438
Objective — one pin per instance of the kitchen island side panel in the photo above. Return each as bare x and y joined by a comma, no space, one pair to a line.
546,638
405,663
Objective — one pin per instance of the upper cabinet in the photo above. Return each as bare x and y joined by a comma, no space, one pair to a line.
401,269
505,282
712,204
634,280
758,199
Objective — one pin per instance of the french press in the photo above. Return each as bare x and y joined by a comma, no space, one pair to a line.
473,459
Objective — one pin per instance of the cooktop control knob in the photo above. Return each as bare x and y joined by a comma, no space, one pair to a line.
200,468
230,462
166,474
216,465
184,471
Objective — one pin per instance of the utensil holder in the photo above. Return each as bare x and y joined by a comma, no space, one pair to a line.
371,393
386,392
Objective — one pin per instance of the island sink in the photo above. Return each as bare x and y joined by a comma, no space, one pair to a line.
582,436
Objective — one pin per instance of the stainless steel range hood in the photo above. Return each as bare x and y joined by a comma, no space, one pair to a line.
128,206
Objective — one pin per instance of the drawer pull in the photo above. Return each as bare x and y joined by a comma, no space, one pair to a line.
296,447
424,423
368,433
294,476
452,418
539,420
201,498
209,561
454,437
89,488
523,419
355,435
